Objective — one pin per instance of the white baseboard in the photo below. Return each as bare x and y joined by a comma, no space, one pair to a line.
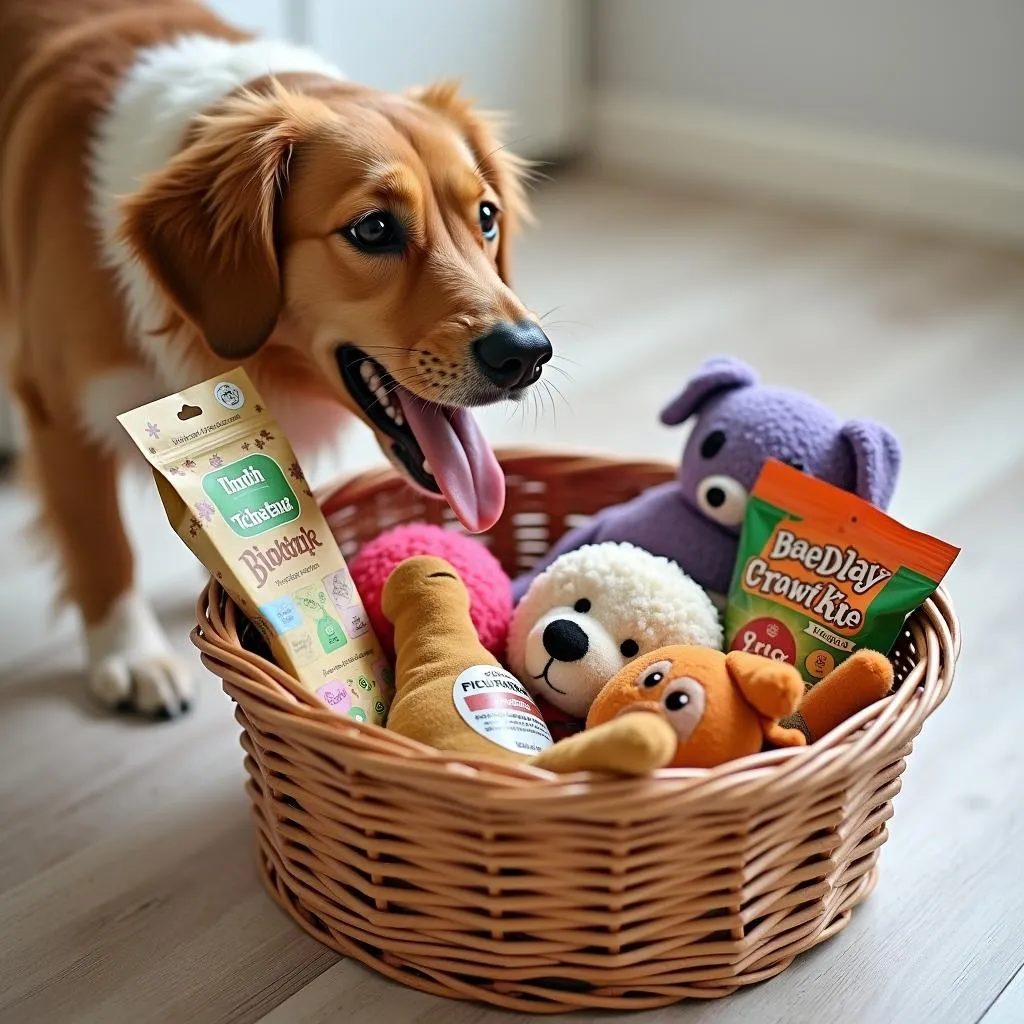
674,141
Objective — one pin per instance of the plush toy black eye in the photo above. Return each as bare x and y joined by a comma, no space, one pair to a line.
377,232
629,648
799,466
676,700
712,444
582,606
653,678
489,221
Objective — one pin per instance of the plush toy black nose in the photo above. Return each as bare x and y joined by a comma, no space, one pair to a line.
511,355
715,497
565,641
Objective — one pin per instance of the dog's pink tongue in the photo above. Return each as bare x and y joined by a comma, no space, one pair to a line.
461,460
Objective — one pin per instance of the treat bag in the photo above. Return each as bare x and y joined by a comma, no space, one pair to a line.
233,490
822,573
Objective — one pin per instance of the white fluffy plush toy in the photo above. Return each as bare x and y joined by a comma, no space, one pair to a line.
595,609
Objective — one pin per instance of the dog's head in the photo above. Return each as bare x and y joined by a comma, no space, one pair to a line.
595,609
359,242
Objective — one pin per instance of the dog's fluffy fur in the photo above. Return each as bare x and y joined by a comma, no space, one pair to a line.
172,197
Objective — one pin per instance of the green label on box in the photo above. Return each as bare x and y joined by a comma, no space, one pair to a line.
252,495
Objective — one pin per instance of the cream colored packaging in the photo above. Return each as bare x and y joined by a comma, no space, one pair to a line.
233,490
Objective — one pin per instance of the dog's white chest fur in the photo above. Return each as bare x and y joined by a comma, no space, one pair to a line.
144,126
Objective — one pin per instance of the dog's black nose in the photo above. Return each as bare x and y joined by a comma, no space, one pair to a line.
511,355
565,641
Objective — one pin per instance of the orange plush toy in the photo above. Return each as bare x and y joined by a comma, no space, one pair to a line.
724,706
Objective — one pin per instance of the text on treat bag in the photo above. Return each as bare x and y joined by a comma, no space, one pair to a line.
810,574
252,495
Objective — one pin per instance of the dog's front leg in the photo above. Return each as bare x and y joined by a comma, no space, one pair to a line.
131,665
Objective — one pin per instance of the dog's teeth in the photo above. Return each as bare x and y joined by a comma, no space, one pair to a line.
365,370
374,381
399,418
389,411
427,469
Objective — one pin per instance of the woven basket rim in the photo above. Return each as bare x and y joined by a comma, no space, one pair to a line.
873,733
565,454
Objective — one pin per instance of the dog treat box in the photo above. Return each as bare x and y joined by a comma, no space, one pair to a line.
234,492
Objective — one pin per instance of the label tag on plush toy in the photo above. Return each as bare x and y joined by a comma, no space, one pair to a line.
822,573
493,703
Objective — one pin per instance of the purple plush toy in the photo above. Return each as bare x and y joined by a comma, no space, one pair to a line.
695,520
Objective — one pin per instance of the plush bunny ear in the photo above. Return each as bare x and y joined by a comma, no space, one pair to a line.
720,373
876,455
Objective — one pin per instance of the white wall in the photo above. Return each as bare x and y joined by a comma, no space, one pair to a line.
933,87
522,57
526,58
949,72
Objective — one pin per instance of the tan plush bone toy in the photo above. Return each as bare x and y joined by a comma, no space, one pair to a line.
451,692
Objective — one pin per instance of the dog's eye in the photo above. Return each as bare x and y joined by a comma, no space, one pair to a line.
582,606
629,648
712,444
489,220
375,232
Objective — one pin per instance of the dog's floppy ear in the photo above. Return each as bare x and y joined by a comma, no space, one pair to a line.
713,376
204,225
772,688
506,173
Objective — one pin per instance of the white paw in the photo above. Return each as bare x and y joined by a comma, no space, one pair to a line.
131,665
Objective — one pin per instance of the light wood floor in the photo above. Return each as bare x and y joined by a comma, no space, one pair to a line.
127,887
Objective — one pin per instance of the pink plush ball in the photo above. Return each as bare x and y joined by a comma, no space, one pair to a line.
490,590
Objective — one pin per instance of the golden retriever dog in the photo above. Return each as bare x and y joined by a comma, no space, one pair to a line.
177,198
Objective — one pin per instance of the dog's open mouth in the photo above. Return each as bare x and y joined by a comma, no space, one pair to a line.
440,447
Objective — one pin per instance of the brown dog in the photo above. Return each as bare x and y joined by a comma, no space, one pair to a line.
177,198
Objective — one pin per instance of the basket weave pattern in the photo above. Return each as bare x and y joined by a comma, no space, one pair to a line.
542,893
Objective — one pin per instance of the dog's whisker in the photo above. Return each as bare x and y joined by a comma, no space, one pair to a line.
558,357
558,391
555,390
395,348
368,357
543,396
388,391
550,324
542,410
551,399
528,170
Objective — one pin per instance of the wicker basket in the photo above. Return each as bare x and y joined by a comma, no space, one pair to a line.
541,893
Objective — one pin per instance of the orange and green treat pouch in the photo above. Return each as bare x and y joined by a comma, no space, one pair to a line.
822,573
234,492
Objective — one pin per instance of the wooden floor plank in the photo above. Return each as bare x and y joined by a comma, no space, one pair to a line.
1008,1007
